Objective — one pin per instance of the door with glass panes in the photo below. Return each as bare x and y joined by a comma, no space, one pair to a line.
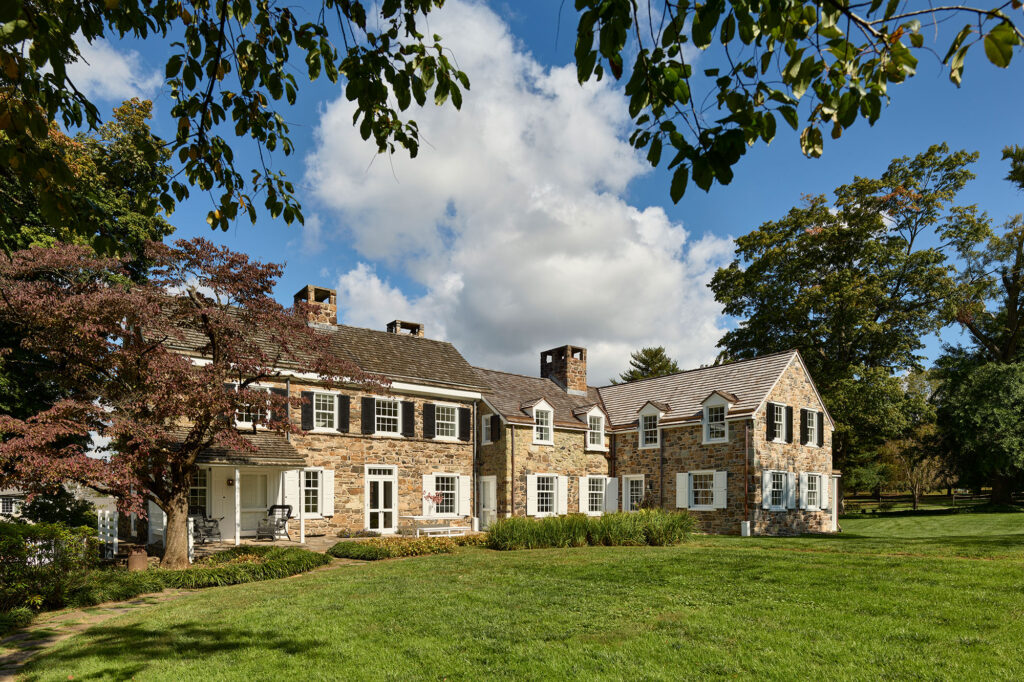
381,499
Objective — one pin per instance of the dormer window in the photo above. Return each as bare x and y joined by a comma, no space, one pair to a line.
255,413
595,431
542,425
649,431
715,430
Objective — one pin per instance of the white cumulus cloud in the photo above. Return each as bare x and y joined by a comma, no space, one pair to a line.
106,73
513,223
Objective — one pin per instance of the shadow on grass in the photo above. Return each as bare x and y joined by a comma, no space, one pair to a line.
121,652
949,511
1003,546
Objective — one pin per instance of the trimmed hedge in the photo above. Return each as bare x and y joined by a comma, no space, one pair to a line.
644,527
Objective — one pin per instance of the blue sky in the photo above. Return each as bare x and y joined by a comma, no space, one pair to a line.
527,222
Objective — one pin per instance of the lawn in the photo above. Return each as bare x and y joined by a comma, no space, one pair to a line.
882,601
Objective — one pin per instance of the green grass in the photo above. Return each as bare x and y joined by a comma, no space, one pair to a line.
855,607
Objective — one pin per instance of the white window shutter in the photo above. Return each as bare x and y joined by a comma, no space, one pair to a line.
803,490
720,489
465,485
291,491
531,494
428,487
826,497
766,489
683,490
790,490
584,487
611,494
563,495
327,492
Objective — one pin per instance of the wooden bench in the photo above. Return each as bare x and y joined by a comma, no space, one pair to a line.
434,531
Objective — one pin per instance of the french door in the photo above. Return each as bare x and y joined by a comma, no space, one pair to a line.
488,500
381,499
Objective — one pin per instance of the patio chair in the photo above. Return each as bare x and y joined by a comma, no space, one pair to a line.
204,529
275,525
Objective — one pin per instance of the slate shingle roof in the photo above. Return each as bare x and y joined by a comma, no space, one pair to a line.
749,381
272,449
513,394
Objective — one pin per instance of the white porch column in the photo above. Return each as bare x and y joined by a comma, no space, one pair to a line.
302,507
238,508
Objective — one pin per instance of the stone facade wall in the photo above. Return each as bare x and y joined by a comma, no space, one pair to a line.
347,454
494,461
568,456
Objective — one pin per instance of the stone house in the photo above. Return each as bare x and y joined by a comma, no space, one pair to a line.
746,447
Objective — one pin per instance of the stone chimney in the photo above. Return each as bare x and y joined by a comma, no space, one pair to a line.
567,366
323,304
407,328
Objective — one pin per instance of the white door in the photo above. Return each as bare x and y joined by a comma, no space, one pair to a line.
253,500
488,500
381,499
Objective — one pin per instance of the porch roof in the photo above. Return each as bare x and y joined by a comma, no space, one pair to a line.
272,449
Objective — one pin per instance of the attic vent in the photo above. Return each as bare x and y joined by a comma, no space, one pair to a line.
407,328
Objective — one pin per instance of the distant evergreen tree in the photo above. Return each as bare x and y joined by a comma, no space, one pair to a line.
651,361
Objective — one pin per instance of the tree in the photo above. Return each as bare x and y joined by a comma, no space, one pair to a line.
1015,155
914,456
110,342
230,65
59,505
837,59
855,285
650,361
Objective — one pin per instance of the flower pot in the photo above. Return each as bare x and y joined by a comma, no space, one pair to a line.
138,560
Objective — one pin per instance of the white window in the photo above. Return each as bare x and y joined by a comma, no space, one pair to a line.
256,412
595,494
542,426
648,430
702,490
595,431
485,429
8,505
546,494
812,427
197,494
311,495
445,421
445,487
777,493
633,495
813,491
714,424
324,410
386,416
779,417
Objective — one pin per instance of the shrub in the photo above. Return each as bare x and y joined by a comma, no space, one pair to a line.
111,584
358,534
38,562
245,564
390,548
475,540
646,527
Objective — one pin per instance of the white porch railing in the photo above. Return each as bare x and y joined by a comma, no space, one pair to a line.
106,522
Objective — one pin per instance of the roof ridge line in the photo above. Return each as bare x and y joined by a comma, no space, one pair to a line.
698,369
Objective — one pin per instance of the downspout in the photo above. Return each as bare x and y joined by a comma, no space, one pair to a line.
512,471
746,471
661,467
288,408
474,469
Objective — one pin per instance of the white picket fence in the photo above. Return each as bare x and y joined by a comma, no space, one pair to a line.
191,539
107,523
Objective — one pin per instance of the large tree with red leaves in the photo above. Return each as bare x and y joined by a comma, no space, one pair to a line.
110,343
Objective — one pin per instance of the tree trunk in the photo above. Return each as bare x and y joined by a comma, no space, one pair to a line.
917,496
176,534
1002,489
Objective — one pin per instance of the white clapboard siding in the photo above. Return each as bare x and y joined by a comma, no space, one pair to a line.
465,485
803,490
720,489
327,492
611,494
563,495
291,491
428,487
683,490
531,494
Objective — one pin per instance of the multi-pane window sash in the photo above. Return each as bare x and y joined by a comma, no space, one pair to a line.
649,428
445,421
812,427
542,428
446,487
6,505
702,487
197,493
311,497
595,494
813,491
779,415
324,410
778,488
253,414
636,493
595,432
386,417
716,422
485,429
545,494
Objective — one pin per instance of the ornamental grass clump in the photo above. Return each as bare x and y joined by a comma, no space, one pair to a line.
245,564
646,527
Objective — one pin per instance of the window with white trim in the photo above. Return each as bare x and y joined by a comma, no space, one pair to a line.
197,494
648,430
546,494
542,426
702,489
595,494
634,493
485,429
311,494
714,423
779,416
595,431
812,427
8,505
324,410
777,494
386,416
254,413
447,487
445,421
813,491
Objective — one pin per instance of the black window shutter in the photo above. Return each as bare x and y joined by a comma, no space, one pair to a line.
821,429
429,415
803,426
307,410
369,409
789,424
343,413
495,428
279,415
408,419
465,423
770,422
